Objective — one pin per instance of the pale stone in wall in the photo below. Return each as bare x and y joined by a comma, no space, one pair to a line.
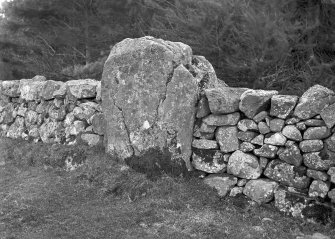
11,88
82,89
244,165
49,88
282,105
226,136
30,88
260,190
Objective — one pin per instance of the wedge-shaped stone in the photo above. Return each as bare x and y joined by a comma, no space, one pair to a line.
275,139
244,165
11,88
203,108
292,132
313,101
254,101
224,100
285,174
283,105
222,120
226,136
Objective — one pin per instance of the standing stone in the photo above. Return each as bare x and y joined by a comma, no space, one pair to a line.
291,132
222,120
285,174
276,125
247,124
210,161
224,100
204,144
244,165
331,173
275,139
226,136
267,151
311,145
328,115
317,175
319,189
313,101
203,108
315,161
246,136
223,183
149,97
317,133
282,105
263,128
260,190
254,101
291,155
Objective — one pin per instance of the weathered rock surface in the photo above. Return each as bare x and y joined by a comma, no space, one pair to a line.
261,116
263,128
210,161
317,133
331,173
330,142
331,195
91,139
267,151
311,145
247,147
49,87
203,108
258,140
11,88
275,139
315,161
313,101
247,124
286,174
149,97
291,132
226,136
82,89
246,136
283,105
319,188
224,100
244,165
98,123
254,101
30,88
223,183
317,175
222,120
291,155
328,115
276,125
260,190
314,122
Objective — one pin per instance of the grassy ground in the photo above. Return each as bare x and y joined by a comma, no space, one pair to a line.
106,199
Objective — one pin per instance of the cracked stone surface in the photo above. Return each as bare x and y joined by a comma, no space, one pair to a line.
149,94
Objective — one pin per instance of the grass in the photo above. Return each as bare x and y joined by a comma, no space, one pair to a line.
104,198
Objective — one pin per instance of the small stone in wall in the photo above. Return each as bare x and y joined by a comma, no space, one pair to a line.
319,189
292,120
328,115
292,132
22,110
49,88
254,101
291,154
205,128
314,123
315,161
222,120
301,126
246,136
226,136
331,195
82,89
317,133
76,128
204,144
267,151
260,190
283,105
203,108
261,116
247,147
247,124
223,183
244,165
311,145
331,173
235,191
258,140
49,130
98,89
224,100
330,142
277,139
16,129
242,182
276,125
263,162
210,161
91,139
200,135
286,174
317,175
263,128
313,101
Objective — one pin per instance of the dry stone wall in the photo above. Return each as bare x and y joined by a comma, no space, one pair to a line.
51,111
267,145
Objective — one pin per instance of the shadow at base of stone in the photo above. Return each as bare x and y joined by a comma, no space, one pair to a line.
155,163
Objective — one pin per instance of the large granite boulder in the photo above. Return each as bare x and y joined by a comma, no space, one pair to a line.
313,101
150,89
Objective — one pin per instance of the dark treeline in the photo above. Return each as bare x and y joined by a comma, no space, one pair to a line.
287,45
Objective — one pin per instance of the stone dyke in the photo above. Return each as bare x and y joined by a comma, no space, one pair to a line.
51,111
156,94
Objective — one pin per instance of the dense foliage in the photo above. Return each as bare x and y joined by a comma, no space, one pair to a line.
286,45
